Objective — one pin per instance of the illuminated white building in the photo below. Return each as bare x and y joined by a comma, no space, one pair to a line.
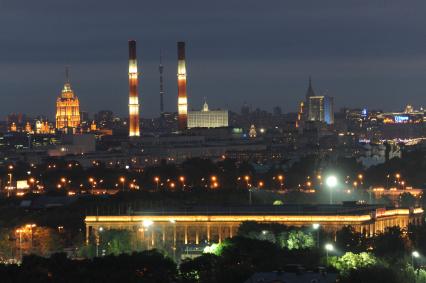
208,118
321,108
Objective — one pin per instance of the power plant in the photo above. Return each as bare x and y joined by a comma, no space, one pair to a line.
133,91
182,97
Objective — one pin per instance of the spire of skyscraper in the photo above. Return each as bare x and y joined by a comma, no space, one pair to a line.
310,92
67,74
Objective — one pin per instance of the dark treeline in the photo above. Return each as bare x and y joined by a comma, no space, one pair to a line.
256,248
148,266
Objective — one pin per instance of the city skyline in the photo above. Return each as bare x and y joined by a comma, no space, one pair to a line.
358,57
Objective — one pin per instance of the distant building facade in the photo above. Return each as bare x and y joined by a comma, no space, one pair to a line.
208,118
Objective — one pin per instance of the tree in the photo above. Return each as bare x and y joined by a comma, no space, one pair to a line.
407,200
296,240
242,257
6,244
350,261
389,244
45,241
262,231
201,269
417,236
372,274
148,266
116,241
347,239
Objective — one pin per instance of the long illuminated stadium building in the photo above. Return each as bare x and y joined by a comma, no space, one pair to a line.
205,225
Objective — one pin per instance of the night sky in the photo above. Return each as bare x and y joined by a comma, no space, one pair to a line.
364,53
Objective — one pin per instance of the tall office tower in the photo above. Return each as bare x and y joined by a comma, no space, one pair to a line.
321,109
161,69
133,91
182,98
67,107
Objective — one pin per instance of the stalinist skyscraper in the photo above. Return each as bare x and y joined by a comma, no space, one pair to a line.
67,107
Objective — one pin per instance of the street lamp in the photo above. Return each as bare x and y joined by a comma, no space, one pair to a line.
92,183
147,223
182,179
157,180
122,180
397,176
414,254
328,248
361,179
316,227
281,178
247,178
331,182
63,181
98,240
387,181
213,182
31,228
20,231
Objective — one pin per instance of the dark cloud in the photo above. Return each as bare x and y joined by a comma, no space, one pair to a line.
256,51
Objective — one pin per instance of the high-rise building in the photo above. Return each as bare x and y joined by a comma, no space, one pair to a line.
104,119
182,97
300,114
133,91
207,118
245,109
321,109
67,107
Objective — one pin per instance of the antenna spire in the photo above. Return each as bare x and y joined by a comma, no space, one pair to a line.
67,74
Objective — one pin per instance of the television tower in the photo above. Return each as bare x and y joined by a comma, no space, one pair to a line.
182,97
133,91
160,69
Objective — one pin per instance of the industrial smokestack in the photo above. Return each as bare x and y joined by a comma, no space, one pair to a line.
133,91
182,97
161,69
